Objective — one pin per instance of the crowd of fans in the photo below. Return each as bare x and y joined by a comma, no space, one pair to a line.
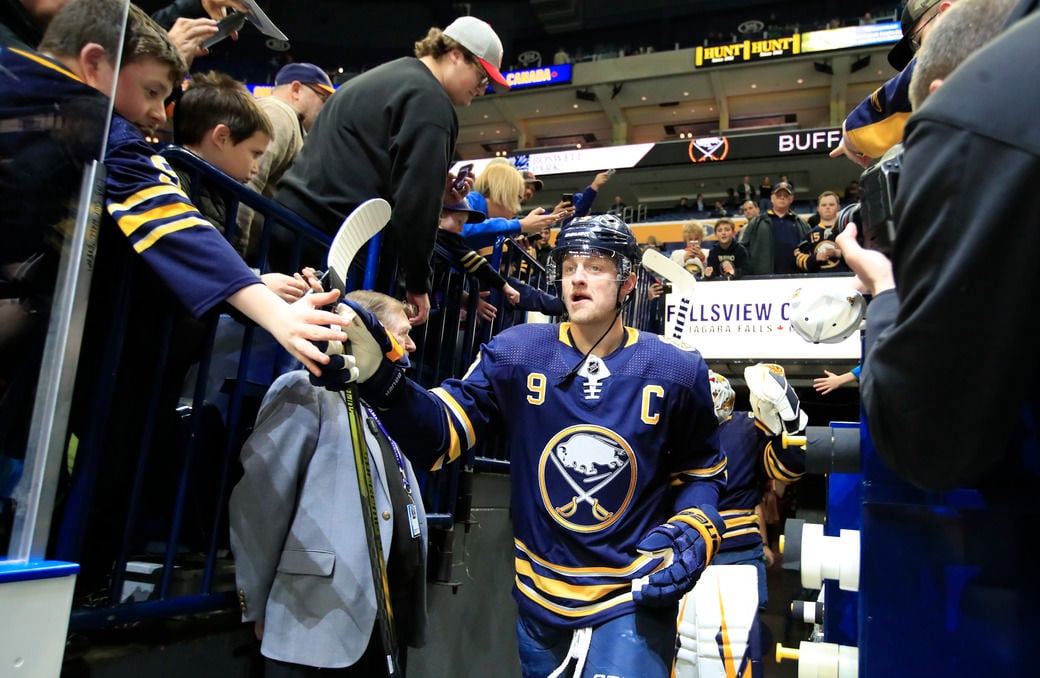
194,244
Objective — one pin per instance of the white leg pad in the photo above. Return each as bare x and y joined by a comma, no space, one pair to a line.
715,621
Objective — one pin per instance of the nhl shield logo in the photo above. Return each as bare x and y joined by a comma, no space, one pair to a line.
587,476
705,149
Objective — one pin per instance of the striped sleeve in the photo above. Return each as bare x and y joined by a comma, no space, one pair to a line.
144,198
877,123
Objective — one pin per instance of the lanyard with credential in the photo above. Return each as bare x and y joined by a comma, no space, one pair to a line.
413,514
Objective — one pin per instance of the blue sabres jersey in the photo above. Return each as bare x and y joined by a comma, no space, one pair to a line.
51,126
753,458
185,250
597,459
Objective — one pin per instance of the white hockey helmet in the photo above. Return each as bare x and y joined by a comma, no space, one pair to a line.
827,316
722,394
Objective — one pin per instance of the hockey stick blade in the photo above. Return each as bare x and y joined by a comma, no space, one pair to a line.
358,228
683,283
681,279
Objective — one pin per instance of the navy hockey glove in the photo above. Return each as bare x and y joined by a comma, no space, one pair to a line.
687,543
341,370
376,354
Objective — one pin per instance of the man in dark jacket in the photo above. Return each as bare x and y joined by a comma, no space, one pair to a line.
945,226
772,238
390,133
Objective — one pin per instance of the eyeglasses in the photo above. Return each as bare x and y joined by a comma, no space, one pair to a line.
915,37
483,79
323,94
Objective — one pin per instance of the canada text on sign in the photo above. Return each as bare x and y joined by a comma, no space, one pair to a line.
534,77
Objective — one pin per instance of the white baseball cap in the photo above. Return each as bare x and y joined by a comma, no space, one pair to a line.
482,42
827,316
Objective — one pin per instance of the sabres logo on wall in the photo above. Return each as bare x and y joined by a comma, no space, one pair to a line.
709,149
587,476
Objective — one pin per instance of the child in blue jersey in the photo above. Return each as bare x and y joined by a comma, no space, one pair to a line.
162,225
615,469
155,218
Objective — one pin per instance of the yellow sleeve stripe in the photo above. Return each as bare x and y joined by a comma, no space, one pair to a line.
575,612
878,137
172,227
742,520
454,447
47,63
709,472
458,413
740,532
472,366
627,572
561,589
147,194
471,261
741,523
129,222
775,469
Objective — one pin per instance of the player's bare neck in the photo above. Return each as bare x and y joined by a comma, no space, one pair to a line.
584,337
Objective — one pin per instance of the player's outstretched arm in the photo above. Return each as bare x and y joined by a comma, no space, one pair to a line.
295,326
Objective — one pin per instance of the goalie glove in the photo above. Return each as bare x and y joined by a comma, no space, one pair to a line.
687,543
373,362
773,401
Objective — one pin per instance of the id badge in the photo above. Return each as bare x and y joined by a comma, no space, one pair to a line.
413,520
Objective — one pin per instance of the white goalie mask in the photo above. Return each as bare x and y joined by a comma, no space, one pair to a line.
722,395
827,317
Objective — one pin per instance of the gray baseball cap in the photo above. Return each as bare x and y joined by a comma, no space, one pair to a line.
482,42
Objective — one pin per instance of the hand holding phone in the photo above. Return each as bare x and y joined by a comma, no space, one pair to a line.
567,197
460,178
225,27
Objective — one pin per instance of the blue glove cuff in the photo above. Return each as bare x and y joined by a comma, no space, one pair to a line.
384,388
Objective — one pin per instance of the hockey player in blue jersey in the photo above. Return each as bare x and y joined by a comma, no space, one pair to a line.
727,598
615,465
755,455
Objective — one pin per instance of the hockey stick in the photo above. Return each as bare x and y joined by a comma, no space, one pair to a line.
683,283
359,226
